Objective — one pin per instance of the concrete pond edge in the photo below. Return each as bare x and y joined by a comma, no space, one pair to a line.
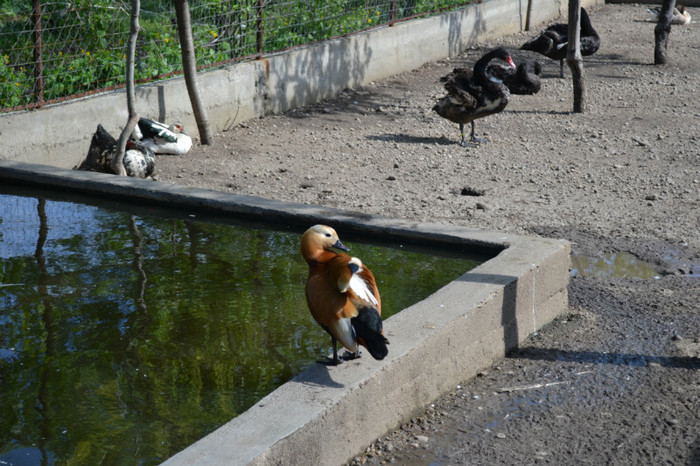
327,415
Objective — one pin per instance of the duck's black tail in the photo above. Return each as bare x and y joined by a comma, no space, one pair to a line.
368,330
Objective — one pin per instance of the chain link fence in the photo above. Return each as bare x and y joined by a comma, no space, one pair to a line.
54,51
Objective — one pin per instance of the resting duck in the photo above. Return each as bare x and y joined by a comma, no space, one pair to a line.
162,139
474,94
342,295
680,17
553,41
525,80
139,161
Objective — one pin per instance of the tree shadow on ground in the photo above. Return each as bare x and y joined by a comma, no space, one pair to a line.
596,357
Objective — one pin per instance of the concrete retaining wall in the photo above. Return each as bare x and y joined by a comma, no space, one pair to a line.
326,415
59,135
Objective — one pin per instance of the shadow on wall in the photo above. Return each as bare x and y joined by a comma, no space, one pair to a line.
314,73
455,23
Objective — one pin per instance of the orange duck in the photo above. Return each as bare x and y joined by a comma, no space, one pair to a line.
342,295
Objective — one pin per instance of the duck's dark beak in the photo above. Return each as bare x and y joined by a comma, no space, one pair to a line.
341,246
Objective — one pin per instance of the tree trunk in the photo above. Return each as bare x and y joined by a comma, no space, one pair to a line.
117,163
573,56
662,31
189,64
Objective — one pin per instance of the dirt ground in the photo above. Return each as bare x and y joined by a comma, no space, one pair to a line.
617,379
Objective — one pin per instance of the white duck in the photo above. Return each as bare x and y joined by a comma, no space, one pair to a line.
162,139
680,17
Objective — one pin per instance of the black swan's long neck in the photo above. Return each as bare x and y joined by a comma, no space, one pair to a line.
586,25
480,73
480,66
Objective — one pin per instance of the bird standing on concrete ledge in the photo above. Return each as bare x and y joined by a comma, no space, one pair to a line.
342,295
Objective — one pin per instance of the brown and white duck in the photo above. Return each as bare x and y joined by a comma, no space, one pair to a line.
342,295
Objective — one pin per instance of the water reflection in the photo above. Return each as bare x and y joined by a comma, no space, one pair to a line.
619,265
124,338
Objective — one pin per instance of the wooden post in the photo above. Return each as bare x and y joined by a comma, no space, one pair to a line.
573,56
259,30
117,163
38,54
189,64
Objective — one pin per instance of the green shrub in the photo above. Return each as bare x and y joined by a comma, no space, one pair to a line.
84,41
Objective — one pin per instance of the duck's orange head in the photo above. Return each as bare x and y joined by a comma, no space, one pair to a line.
317,239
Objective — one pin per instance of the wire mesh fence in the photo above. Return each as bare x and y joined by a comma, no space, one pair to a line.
53,51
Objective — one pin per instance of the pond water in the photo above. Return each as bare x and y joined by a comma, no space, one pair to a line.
125,337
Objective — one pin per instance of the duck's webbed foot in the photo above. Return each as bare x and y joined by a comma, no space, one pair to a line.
348,356
335,360
329,361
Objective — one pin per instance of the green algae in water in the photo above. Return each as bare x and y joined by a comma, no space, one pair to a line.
125,338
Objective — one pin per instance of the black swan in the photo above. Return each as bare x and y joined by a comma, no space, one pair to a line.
680,17
553,41
161,138
525,80
139,160
474,94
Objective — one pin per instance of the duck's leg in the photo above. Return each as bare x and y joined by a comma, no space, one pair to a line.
335,360
461,133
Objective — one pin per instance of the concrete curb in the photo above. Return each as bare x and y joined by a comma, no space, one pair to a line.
327,415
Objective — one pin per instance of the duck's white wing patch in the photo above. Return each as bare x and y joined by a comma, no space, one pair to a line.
359,286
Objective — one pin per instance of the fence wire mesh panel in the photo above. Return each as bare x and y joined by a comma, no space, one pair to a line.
53,51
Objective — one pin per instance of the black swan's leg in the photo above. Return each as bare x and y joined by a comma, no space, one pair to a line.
475,139
461,133
561,68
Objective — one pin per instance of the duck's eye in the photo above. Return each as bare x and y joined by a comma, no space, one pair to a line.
328,235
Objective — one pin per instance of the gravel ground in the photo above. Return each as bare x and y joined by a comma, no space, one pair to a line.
617,379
